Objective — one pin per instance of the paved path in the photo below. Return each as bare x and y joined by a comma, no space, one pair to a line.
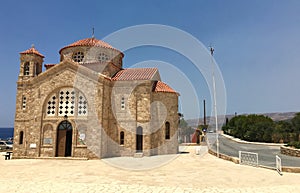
188,172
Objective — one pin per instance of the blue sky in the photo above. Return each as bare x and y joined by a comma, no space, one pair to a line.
256,44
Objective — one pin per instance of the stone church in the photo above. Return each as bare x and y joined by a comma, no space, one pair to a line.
89,106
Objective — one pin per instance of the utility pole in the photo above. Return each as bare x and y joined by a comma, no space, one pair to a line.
215,98
204,114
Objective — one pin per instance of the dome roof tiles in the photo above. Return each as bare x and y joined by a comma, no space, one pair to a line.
90,42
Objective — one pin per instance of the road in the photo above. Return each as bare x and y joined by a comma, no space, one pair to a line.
266,153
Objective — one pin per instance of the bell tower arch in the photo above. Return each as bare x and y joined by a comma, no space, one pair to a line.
31,62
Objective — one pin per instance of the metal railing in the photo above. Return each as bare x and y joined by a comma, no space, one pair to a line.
278,165
248,158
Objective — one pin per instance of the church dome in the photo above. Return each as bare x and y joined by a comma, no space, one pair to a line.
89,42
94,54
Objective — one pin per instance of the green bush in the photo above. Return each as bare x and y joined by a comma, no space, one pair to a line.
295,144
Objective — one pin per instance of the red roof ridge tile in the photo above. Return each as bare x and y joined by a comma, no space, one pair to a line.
160,86
135,74
32,50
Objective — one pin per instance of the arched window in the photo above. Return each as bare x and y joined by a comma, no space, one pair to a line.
21,136
167,130
103,57
67,102
122,138
78,56
26,69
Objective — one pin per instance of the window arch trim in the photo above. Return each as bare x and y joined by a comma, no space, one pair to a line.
66,101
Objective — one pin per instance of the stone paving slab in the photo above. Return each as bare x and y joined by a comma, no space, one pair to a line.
186,173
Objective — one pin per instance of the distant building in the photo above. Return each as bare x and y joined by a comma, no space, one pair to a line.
89,106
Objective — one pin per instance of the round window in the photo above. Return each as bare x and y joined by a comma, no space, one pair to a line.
78,57
103,57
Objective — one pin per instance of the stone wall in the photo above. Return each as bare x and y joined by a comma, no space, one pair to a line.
91,59
290,151
33,119
105,120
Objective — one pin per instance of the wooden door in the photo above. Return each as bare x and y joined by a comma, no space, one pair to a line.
61,143
64,139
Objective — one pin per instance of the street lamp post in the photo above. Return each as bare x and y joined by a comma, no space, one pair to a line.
215,98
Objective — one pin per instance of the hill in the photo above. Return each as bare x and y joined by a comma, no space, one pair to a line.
274,116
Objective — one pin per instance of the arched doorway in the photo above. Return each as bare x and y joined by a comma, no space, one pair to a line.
139,139
64,139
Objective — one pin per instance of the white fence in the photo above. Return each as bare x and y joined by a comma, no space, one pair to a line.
278,165
248,158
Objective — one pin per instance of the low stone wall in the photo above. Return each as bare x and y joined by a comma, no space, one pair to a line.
225,157
290,151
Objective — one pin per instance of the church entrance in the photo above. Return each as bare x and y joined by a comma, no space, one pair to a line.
64,139
139,139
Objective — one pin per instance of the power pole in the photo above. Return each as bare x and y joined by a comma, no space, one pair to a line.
215,97
204,116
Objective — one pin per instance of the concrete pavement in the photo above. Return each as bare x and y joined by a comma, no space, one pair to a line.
188,172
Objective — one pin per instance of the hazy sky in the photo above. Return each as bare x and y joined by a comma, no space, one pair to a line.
256,45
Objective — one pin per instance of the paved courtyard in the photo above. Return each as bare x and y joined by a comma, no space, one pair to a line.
187,172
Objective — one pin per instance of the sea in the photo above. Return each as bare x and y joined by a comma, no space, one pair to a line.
6,133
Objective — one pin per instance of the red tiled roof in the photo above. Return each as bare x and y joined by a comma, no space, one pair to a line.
136,74
90,42
163,87
32,50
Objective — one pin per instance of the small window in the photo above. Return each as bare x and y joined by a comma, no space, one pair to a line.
26,69
78,57
24,103
122,138
103,57
123,103
21,137
167,130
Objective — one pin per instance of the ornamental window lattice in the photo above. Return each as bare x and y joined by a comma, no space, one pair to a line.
78,56
103,57
67,102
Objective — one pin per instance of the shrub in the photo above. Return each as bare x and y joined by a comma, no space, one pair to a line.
295,144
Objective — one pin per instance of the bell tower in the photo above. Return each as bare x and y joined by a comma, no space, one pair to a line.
30,63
